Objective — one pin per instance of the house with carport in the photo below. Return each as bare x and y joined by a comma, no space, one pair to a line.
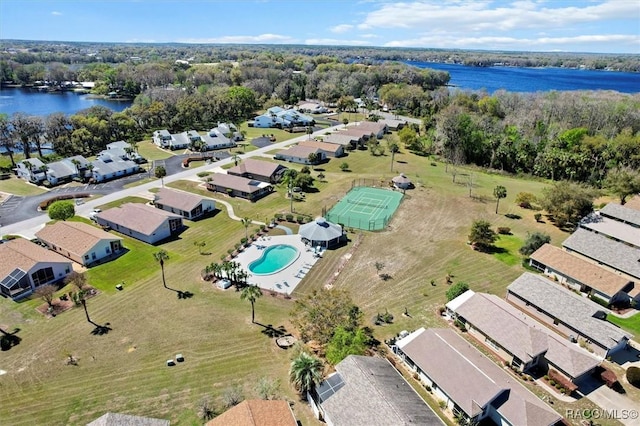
112,167
366,391
583,275
571,315
472,386
188,205
142,222
162,138
25,266
83,243
237,186
376,128
264,171
217,138
524,343
344,140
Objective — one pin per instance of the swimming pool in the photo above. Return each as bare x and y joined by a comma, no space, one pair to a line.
274,259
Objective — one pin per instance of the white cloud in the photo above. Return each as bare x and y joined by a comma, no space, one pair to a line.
343,28
243,39
485,15
56,13
369,36
335,42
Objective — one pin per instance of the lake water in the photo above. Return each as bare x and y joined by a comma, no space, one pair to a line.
33,102
515,79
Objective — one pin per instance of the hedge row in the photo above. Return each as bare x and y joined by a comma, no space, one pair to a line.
46,203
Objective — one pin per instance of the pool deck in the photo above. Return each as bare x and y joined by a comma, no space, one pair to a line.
287,279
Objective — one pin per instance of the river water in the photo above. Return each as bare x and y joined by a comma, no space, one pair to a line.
513,79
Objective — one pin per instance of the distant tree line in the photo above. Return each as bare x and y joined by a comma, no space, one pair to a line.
73,53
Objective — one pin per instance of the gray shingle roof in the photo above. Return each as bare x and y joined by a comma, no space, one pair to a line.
177,199
613,228
137,217
374,393
569,308
523,336
471,379
602,249
621,213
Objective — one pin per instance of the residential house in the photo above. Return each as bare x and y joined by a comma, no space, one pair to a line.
189,206
61,171
518,339
84,244
217,138
281,118
257,412
328,149
125,151
162,138
622,214
605,251
112,167
25,266
570,314
140,221
31,169
361,135
610,227
185,140
580,274
300,154
264,171
377,128
117,419
393,123
367,391
230,131
345,140
473,387
236,186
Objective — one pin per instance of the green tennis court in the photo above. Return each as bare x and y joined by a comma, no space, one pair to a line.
365,208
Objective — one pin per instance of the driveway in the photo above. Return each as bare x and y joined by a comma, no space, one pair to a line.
611,403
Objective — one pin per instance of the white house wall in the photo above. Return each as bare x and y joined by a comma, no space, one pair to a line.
60,270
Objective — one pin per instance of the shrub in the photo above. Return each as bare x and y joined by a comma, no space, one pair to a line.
633,376
525,199
533,242
289,217
456,290
300,219
537,217
243,240
278,216
504,230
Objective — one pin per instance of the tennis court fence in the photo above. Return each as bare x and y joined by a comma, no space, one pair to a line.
350,222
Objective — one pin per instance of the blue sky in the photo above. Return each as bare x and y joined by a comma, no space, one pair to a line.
608,26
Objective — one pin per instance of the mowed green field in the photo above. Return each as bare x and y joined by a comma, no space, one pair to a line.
124,370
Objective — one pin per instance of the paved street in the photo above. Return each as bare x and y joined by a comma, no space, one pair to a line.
21,220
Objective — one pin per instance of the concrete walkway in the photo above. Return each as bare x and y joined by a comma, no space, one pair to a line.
29,227
288,231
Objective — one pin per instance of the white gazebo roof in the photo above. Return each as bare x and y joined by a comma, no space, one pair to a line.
402,178
320,230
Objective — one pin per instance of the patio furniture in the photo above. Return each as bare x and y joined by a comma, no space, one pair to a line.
179,358
170,363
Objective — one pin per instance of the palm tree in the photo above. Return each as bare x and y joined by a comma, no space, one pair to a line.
305,372
6,138
499,192
83,300
161,257
246,222
393,147
76,164
251,293
236,159
309,131
44,169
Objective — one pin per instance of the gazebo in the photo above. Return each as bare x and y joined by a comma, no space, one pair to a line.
402,182
321,233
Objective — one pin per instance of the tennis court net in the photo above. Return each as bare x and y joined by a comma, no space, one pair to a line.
368,204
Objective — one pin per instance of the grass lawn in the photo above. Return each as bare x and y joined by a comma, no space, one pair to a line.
631,324
507,249
16,186
124,371
151,152
121,201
